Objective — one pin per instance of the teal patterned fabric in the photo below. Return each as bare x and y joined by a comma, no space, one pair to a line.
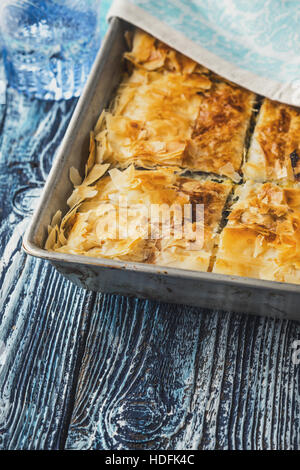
260,36
104,7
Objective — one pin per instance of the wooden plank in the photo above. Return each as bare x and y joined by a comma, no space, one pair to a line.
157,376
42,317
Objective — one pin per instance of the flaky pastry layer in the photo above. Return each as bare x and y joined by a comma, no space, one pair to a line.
169,111
262,237
128,197
274,153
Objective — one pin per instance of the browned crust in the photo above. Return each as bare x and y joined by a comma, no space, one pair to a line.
220,130
85,233
278,135
204,121
262,238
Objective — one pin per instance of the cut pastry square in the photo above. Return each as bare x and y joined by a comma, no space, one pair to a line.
189,252
274,153
150,216
262,237
155,107
218,140
152,119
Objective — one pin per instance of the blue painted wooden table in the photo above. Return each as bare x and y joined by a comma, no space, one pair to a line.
80,370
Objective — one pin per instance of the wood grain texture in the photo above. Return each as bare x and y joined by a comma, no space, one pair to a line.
156,376
42,319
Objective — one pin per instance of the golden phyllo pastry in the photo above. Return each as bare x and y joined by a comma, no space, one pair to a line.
274,152
218,139
169,111
262,237
151,121
151,54
140,215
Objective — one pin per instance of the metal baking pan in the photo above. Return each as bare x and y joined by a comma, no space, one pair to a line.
203,289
